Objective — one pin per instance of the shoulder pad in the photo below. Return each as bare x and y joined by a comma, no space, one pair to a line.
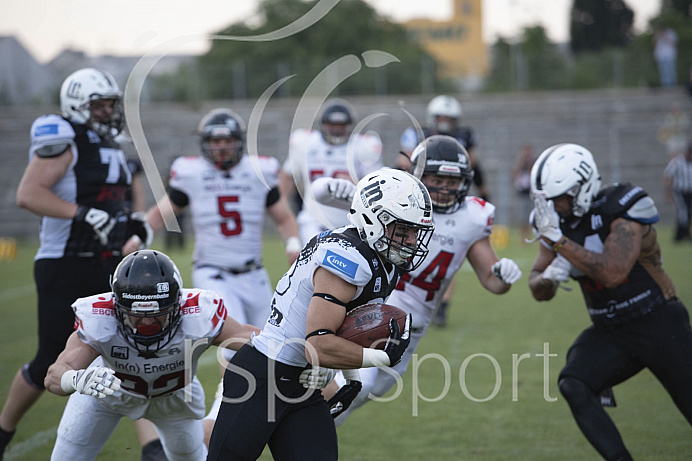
643,211
408,140
203,313
619,198
95,320
51,135
340,257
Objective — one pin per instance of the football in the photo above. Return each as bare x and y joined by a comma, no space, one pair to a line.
369,324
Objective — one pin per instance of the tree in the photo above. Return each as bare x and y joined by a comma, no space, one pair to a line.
598,24
245,69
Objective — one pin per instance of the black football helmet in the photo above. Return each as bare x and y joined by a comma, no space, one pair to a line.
147,284
222,123
444,156
336,124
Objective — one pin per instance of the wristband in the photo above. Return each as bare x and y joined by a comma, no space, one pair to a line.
560,244
66,381
351,375
374,358
293,245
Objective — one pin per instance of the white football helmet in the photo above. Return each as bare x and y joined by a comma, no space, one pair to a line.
387,205
87,85
446,106
566,169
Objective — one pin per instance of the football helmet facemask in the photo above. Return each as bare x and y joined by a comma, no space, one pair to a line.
389,207
147,283
336,122
566,169
443,106
82,88
444,156
222,123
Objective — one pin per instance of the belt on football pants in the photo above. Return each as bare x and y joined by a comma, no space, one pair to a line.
249,266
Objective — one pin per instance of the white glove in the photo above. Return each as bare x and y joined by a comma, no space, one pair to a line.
316,378
341,189
546,220
97,381
557,271
507,271
100,221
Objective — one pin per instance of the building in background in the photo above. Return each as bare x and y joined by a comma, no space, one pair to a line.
457,44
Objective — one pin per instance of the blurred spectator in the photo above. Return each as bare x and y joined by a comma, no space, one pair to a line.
665,54
521,179
673,132
677,178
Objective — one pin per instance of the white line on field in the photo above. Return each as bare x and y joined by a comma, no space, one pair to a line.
21,449
17,292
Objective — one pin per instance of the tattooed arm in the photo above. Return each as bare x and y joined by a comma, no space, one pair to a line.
620,251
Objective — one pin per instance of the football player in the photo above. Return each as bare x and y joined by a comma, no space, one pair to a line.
228,203
333,152
605,239
443,117
134,353
78,180
338,270
462,229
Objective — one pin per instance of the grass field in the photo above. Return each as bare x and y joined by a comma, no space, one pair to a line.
504,354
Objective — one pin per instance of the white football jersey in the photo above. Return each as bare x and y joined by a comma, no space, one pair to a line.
420,291
311,157
227,208
203,314
341,252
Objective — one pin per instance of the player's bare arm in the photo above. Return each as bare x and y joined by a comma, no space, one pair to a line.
482,257
34,192
620,252
77,355
332,352
541,290
154,215
287,226
233,334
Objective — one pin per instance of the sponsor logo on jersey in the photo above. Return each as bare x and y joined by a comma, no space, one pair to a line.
378,285
120,352
596,221
45,130
628,196
340,263
276,316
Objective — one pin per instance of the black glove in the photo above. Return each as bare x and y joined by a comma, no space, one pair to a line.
100,221
139,226
343,397
397,343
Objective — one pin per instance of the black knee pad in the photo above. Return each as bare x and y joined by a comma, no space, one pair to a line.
34,373
575,390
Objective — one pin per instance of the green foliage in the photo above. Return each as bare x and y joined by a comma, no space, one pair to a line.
245,69
453,427
596,24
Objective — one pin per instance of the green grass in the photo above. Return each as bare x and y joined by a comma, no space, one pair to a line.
485,333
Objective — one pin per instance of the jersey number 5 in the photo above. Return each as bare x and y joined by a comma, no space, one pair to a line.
230,215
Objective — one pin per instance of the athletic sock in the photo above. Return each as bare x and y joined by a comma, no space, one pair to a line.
5,438
153,451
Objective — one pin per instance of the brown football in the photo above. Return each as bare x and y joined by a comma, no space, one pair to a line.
369,324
